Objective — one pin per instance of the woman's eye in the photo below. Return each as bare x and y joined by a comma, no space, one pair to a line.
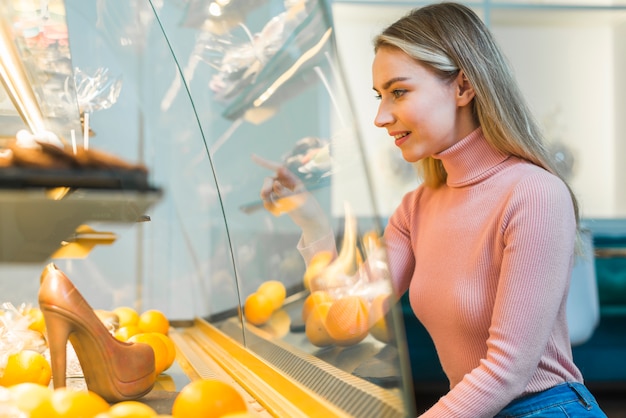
377,96
398,93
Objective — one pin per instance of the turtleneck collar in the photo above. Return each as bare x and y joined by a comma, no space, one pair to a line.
470,160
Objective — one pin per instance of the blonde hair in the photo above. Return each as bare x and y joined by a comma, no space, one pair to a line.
449,38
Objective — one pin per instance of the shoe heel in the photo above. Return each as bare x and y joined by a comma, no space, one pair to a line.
58,329
111,368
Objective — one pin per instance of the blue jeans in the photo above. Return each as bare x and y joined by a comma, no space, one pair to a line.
565,400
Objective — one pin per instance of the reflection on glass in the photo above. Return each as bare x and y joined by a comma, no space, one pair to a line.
38,68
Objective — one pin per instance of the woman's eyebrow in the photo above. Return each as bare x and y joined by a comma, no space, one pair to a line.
392,81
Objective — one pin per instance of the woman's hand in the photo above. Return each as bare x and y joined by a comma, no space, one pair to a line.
285,193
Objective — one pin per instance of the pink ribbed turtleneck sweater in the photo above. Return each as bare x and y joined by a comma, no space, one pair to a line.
486,259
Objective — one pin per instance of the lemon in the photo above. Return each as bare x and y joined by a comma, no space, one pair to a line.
347,320
27,395
127,316
275,291
26,366
258,308
208,398
125,332
171,349
38,323
315,326
131,409
158,346
153,320
69,403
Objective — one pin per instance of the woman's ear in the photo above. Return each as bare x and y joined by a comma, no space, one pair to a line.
465,90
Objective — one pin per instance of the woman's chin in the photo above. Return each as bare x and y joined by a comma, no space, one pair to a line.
411,157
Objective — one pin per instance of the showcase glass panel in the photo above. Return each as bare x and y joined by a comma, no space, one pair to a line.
266,85
211,98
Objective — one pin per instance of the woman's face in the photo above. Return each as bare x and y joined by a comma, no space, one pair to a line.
419,110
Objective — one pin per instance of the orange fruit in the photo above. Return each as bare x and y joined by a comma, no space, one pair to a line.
208,398
153,320
127,316
274,290
379,328
315,325
131,409
319,296
26,366
347,320
240,415
316,265
70,403
27,395
285,204
158,346
171,349
38,323
125,332
258,308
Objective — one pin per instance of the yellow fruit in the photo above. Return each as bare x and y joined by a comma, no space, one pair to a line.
315,298
126,315
69,403
26,366
124,333
239,415
27,396
315,325
285,204
171,349
38,323
131,409
158,346
153,320
274,290
347,320
316,265
379,328
208,398
258,309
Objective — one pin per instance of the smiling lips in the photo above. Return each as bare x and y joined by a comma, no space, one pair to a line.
401,138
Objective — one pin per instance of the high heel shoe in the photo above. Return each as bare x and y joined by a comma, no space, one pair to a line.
113,369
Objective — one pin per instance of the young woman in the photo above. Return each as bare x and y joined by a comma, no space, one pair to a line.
485,245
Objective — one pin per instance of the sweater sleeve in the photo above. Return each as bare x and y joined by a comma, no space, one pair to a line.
538,231
397,237
326,243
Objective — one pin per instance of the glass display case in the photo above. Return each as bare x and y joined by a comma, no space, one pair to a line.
188,107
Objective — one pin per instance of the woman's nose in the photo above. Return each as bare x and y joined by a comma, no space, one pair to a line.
383,117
